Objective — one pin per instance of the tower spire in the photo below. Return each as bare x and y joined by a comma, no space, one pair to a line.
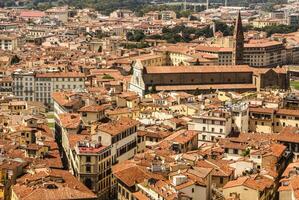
239,27
238,46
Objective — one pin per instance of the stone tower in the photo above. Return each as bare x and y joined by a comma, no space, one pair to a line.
238,46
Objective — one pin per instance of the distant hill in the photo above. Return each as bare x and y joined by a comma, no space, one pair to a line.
107,6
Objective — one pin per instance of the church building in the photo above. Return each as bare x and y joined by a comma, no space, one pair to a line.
237,77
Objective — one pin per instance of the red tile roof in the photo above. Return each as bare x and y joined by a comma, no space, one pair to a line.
30,186
70,120
61,75
257,182
93,108
32,14
118,126
197,69
204,87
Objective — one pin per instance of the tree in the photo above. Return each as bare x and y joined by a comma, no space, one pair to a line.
246,152
138,36
130,36
270,30
15,59
10,3
193,18
107,76
224,28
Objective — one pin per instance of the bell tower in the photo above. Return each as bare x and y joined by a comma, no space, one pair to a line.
238,46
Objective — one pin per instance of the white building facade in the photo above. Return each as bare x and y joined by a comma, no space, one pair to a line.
35,86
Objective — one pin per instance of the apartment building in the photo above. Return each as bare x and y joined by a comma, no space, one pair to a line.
8,26
249,188
92,113
291,101
5,84
37,86
180,186
293,19
261,23
137,182
91,164
121,13
121,135
151,60
211,125
89,160
290,138
289,183
257,53
266,53
269,120
168,15
240,117
90,149
37,32
10,42
60,14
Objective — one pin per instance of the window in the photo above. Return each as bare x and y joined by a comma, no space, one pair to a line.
221,180
192,190
88,159
203,128
88,183
88,169
221,130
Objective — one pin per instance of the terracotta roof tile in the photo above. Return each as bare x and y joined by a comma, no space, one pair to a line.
70,120
118,126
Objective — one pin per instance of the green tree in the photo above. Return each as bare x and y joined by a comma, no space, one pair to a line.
130,36
138,36
224,28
